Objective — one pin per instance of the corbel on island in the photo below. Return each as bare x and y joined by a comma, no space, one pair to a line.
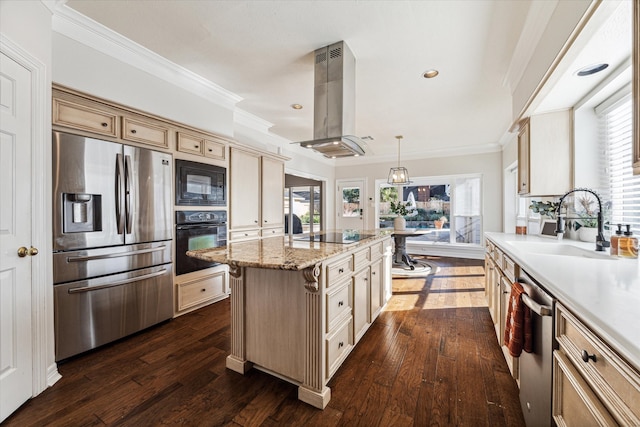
298,307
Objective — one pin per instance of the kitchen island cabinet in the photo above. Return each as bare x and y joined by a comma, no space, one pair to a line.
298,308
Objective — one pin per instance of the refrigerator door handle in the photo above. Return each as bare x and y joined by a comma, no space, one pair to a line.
119,183
117,283
127,192
116,255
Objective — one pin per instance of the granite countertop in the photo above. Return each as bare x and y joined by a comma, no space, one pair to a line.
603,291
283,253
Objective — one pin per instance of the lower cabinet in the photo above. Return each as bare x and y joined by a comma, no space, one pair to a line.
361,303
592,384
195,290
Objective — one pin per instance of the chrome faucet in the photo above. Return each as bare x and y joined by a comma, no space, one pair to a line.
601,242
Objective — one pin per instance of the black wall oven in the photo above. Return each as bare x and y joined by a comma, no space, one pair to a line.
198,230
200,184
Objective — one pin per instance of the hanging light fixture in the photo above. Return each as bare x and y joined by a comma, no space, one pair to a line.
398,175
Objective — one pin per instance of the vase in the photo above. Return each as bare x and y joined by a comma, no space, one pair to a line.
587,234
399,223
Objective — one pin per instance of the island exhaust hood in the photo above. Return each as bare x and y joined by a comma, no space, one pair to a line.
334,103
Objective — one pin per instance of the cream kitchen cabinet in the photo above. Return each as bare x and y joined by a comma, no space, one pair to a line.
500,272
272,193
592,384
202,145
545,147
256,186
636,88
72,112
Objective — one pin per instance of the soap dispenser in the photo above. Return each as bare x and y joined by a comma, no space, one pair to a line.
614,240
628,245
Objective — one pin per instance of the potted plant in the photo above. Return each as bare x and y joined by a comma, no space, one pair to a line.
400,209
439,223
588,220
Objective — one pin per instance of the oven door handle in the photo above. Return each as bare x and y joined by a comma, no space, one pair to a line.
539,309
199,226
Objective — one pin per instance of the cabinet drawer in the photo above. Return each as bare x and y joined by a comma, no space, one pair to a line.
237,236
200,290
190,144
272,232
361,259
377,250
146,133
574,404
509,268
338,304
498,257
615,382
214,150
339,270
337,347
82,117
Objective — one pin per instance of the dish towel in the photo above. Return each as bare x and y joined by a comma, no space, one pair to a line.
518,333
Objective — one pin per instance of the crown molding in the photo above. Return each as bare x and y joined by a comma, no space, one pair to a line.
82,29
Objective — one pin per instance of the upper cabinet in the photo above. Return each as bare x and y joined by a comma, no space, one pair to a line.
257,195
636,88
545,147
88,116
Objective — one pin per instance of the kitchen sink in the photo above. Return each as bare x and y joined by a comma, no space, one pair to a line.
557,248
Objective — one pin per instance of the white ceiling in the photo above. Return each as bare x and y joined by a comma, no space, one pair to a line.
263,52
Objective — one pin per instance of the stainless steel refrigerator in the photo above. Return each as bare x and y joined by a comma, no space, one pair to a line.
112,233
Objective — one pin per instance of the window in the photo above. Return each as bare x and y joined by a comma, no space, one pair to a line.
450,208
623,188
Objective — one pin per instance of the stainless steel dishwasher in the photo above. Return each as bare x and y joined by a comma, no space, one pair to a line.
536,367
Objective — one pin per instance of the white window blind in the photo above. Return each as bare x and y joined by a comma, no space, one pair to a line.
623,186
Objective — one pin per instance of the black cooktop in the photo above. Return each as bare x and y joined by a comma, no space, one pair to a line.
344,237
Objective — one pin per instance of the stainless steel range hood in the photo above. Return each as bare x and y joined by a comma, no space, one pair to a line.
334,103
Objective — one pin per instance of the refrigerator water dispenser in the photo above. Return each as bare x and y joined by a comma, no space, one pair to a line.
82,212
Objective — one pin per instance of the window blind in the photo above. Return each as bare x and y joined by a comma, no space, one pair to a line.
615,124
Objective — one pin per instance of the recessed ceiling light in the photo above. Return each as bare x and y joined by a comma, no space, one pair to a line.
296,106
591,69
429,74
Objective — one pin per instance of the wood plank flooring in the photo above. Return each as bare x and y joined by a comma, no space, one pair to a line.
430,359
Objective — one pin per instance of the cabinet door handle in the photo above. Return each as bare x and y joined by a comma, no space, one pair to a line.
586,357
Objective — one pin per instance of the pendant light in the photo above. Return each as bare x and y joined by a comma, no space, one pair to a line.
398,175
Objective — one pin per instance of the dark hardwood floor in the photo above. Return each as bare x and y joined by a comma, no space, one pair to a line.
431,358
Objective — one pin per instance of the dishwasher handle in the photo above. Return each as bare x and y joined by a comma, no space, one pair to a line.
539,309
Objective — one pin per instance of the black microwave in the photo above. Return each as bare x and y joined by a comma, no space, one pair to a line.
200,184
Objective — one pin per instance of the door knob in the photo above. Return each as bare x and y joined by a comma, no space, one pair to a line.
23,252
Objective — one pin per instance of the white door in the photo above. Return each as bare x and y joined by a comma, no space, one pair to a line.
351,205
15,232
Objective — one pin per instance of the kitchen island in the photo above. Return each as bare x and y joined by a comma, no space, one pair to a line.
298,307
